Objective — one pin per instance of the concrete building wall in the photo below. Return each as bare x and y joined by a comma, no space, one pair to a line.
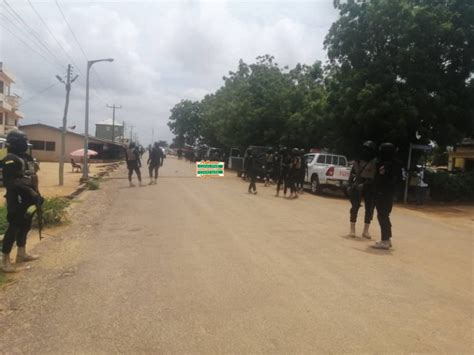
50,136
105,131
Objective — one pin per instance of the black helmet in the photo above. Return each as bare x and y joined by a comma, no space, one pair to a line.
17,141
387,151
302,151
270,150
295,151
370,145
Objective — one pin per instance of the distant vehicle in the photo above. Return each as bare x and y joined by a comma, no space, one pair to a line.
327,171
237,163
214,154
164,151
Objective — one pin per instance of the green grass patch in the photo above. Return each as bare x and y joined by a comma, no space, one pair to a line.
54,213
93,184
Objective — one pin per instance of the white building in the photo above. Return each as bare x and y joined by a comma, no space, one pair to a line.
9,103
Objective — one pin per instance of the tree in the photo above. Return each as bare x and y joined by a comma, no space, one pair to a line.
398,67
184,122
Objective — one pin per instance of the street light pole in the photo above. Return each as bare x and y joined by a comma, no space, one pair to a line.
85,170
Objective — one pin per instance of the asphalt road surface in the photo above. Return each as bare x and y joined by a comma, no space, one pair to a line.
199,266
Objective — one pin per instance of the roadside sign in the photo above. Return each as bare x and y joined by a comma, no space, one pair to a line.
209,169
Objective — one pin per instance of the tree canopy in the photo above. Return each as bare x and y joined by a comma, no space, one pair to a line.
397,69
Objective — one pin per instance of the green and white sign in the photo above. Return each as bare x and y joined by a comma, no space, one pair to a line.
209,168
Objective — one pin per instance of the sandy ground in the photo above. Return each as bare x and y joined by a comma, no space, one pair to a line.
49,179
200,266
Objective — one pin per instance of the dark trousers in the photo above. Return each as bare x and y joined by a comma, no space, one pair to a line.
153,168
133,167
18,227
282,180
384,204
253,177
367,194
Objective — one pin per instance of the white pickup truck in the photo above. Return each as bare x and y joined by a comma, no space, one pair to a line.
327,171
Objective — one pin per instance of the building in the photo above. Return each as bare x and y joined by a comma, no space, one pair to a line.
461,158
106,128
46,142
9,103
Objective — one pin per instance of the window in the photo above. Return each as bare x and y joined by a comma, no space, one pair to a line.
107,128
342,161
321,159
37,145
50,146
1,118
309,158
334,159
1,87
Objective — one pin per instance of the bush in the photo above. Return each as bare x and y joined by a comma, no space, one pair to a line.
451,187
54,213
93,184
54,210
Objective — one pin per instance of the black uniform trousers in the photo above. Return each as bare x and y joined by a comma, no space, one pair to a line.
384,204
19,223
356,196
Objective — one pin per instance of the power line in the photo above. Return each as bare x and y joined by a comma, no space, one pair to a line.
37,37
79,44
27,45
38,94
54,37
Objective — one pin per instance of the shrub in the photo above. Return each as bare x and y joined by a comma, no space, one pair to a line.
93,184
451,187
54,210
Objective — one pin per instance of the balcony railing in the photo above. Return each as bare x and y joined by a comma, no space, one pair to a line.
13,101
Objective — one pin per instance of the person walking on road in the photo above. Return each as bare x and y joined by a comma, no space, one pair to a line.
284,166
132,155
387,171
23,198
361,186
294,172
251,172
268,166
303,172
155,161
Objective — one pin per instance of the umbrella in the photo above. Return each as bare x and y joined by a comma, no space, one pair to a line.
80,153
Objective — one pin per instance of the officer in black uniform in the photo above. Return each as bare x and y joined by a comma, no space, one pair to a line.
387,171
361,187
20,180
132,155
251,172
155,160
285,161
303,171
294,172
268,166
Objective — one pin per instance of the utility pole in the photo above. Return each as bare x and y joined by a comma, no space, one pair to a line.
69,81
131,132
113,107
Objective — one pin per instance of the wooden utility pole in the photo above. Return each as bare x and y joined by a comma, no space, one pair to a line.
131,132
113,107
67,83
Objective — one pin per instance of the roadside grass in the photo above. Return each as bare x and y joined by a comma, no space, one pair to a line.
54,213
93,184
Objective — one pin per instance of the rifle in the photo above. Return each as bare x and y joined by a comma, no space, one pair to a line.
39,216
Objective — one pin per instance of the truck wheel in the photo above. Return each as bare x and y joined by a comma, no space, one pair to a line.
315,187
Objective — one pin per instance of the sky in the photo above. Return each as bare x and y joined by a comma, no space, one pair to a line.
163,51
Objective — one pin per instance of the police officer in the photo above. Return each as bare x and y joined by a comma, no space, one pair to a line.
294,172
20,180
387,171
284,165
134,164
251,172
361,186
303,171
155,160
268,166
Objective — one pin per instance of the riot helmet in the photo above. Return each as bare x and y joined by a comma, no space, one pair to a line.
387,151
369,150
17,142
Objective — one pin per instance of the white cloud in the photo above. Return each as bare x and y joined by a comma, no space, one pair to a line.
163,52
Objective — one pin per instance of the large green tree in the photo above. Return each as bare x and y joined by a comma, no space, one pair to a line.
398,67
185,122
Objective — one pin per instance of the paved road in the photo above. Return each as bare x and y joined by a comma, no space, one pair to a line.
194,265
